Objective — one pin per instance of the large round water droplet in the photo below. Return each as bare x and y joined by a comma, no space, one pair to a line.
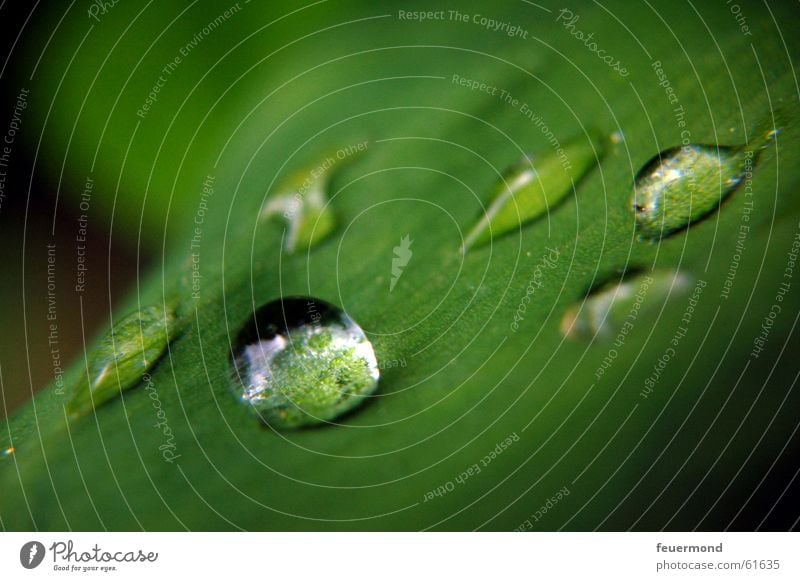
301,361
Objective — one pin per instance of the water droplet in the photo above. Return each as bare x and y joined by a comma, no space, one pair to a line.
301,201
8,452
301,361
610,306
681,185
128,350
532,187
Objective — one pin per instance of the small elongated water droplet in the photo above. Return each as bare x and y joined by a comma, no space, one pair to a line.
7,453
608,308
681,185
130,348
301,361
532,187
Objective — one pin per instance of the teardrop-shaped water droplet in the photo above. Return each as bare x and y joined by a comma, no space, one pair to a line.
130,348
610,306
681,185
532,187
7,453
301,200
301,361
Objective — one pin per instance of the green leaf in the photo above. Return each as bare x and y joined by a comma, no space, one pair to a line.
269,92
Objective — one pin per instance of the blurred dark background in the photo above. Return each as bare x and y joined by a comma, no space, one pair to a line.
30,220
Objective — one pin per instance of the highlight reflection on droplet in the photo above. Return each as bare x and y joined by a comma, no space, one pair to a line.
301,361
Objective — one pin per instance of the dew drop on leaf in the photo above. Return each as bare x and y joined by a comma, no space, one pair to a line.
301,201
301,361
7,453
681,185
533,186
125,354
609,307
